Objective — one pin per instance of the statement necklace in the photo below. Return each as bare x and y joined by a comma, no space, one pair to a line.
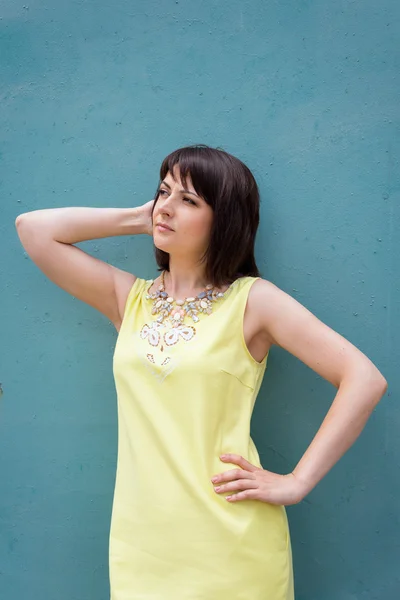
177,310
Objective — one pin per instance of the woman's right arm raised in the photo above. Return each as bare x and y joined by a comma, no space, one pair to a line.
48,236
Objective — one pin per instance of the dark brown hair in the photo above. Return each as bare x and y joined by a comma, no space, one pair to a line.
229,187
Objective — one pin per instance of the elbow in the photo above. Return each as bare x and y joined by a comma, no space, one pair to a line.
375,380
18,220
21,219
380,385
25,232
384,385
20,226
372,384
379,380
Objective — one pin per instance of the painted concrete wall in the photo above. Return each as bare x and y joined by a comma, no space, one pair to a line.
93,96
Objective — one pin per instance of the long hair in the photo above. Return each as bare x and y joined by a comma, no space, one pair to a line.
229,187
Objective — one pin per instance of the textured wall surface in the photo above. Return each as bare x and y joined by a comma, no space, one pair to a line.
93,96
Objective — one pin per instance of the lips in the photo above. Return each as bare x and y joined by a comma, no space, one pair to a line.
165,226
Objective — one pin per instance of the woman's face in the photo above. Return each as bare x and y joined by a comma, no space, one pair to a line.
188,216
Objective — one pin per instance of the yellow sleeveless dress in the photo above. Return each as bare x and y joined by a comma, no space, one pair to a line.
185,396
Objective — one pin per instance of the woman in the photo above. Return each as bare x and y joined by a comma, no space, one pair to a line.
195,515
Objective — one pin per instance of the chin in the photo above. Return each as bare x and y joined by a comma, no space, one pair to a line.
161,245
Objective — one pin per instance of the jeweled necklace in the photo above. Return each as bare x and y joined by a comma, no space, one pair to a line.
177,310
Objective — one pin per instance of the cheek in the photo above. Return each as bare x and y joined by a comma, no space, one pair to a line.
198,233
200,226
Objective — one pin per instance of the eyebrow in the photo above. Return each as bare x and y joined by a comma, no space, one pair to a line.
182,191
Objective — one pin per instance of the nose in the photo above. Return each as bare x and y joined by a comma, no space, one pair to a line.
165,204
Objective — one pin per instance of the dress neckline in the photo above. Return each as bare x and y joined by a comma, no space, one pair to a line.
218,303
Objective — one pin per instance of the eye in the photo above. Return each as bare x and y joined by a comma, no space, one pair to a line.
187,199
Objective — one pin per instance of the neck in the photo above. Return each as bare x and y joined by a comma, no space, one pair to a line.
184,279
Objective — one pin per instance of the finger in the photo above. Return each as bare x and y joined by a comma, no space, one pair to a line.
233,474
239,460
249,494
240,484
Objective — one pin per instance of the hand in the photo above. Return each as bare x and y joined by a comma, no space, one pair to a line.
146,211
254,483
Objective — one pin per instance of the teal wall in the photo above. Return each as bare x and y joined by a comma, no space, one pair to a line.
94,94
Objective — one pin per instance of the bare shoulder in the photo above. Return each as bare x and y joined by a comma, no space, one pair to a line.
261,288
269,302
262,295
289,324
123,281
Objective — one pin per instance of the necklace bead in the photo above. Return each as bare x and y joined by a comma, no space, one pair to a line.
178,310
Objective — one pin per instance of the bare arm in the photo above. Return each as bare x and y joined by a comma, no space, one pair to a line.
360,384
48,236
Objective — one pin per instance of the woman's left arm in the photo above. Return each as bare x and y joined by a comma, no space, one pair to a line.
360,384
350,410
